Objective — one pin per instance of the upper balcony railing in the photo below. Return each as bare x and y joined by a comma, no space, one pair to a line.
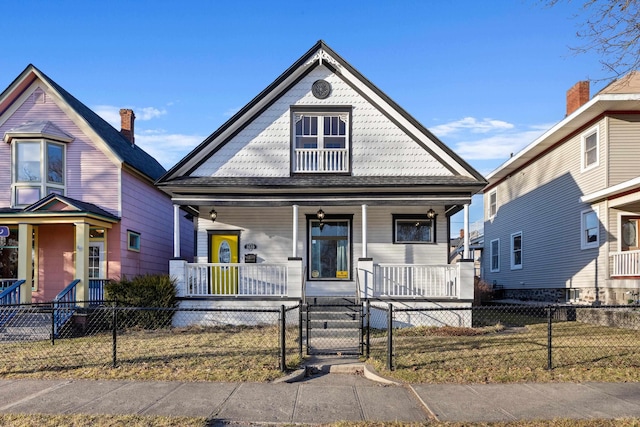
625,264
321,160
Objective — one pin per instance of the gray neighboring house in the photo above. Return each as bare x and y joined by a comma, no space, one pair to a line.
562,216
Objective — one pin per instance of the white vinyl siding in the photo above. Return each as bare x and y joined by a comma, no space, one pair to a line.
495,255
589,229
543,201
624,148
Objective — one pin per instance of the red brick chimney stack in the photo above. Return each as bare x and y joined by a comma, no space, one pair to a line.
126,124
577,96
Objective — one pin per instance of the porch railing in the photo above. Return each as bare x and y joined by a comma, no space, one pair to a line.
625,263
5,283
414,280
236,280
96,290
64,306
321,160
11,294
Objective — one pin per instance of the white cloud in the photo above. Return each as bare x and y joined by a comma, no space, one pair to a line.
499,146
231,111
110,113
167,148
471,124
148,113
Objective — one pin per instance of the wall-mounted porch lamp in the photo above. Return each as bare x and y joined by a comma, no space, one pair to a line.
213,214
431,214
320,215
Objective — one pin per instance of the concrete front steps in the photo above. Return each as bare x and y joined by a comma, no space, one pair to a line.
334,325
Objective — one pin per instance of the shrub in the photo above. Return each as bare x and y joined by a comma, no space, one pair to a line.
482,291
150,291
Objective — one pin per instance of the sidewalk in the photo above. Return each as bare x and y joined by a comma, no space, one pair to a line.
323,399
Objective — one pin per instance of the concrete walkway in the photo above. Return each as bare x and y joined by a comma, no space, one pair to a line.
323,399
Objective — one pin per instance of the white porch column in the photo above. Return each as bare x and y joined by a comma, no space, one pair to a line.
294,252
82,260
25,261
176,231
364,231
465,254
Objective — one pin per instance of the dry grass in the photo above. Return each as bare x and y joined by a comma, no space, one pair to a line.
581,352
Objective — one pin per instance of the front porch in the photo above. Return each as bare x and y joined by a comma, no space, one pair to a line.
288,281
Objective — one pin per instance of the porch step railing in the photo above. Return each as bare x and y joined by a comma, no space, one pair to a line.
236,280
625,263
9,299
64,306
414,280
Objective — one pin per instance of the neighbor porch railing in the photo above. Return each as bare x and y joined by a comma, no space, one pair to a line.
236,280
321,160
625,263
414,280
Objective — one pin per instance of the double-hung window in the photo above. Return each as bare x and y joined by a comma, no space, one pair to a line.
590,229
320,141
38,170
493,203
590,152
516,251
495,255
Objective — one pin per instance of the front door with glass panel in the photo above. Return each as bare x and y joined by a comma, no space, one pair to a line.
96,260
630,233
224,250
329,251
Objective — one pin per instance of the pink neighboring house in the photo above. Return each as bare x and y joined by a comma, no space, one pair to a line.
77,197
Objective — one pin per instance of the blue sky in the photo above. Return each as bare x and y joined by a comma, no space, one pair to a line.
486,77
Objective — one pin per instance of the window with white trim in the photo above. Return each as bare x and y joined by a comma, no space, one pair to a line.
589,149
589,229
413,229
493,203
494,250
320,141
516,251
38,170
133,241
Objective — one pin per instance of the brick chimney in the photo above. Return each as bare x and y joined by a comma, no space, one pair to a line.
126,124
577,96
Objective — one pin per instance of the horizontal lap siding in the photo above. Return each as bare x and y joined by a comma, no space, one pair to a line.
271,230
149,212
543,202
379,147
624,142
90,175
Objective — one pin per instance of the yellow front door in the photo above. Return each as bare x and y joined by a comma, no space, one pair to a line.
224,250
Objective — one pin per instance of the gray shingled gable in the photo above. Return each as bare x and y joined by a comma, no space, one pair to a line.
130,154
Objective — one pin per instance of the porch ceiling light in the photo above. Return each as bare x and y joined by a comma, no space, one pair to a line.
320,214
213,214
431,214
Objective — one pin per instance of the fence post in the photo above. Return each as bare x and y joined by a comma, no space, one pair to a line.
283,324
549,322
368,330
300,330
114,316
390,338
53,324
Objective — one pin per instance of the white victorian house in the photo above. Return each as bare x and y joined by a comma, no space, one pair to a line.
322,186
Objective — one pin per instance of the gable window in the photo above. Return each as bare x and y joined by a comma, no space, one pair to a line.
320,141
413,229
590,155
495,255
493,203
516,251
39,170
589,229
330,248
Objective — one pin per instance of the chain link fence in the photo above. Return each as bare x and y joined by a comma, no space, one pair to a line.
153,341
548,337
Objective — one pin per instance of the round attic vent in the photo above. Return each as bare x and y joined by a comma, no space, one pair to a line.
321,89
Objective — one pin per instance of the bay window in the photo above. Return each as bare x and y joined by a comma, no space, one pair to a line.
39,170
